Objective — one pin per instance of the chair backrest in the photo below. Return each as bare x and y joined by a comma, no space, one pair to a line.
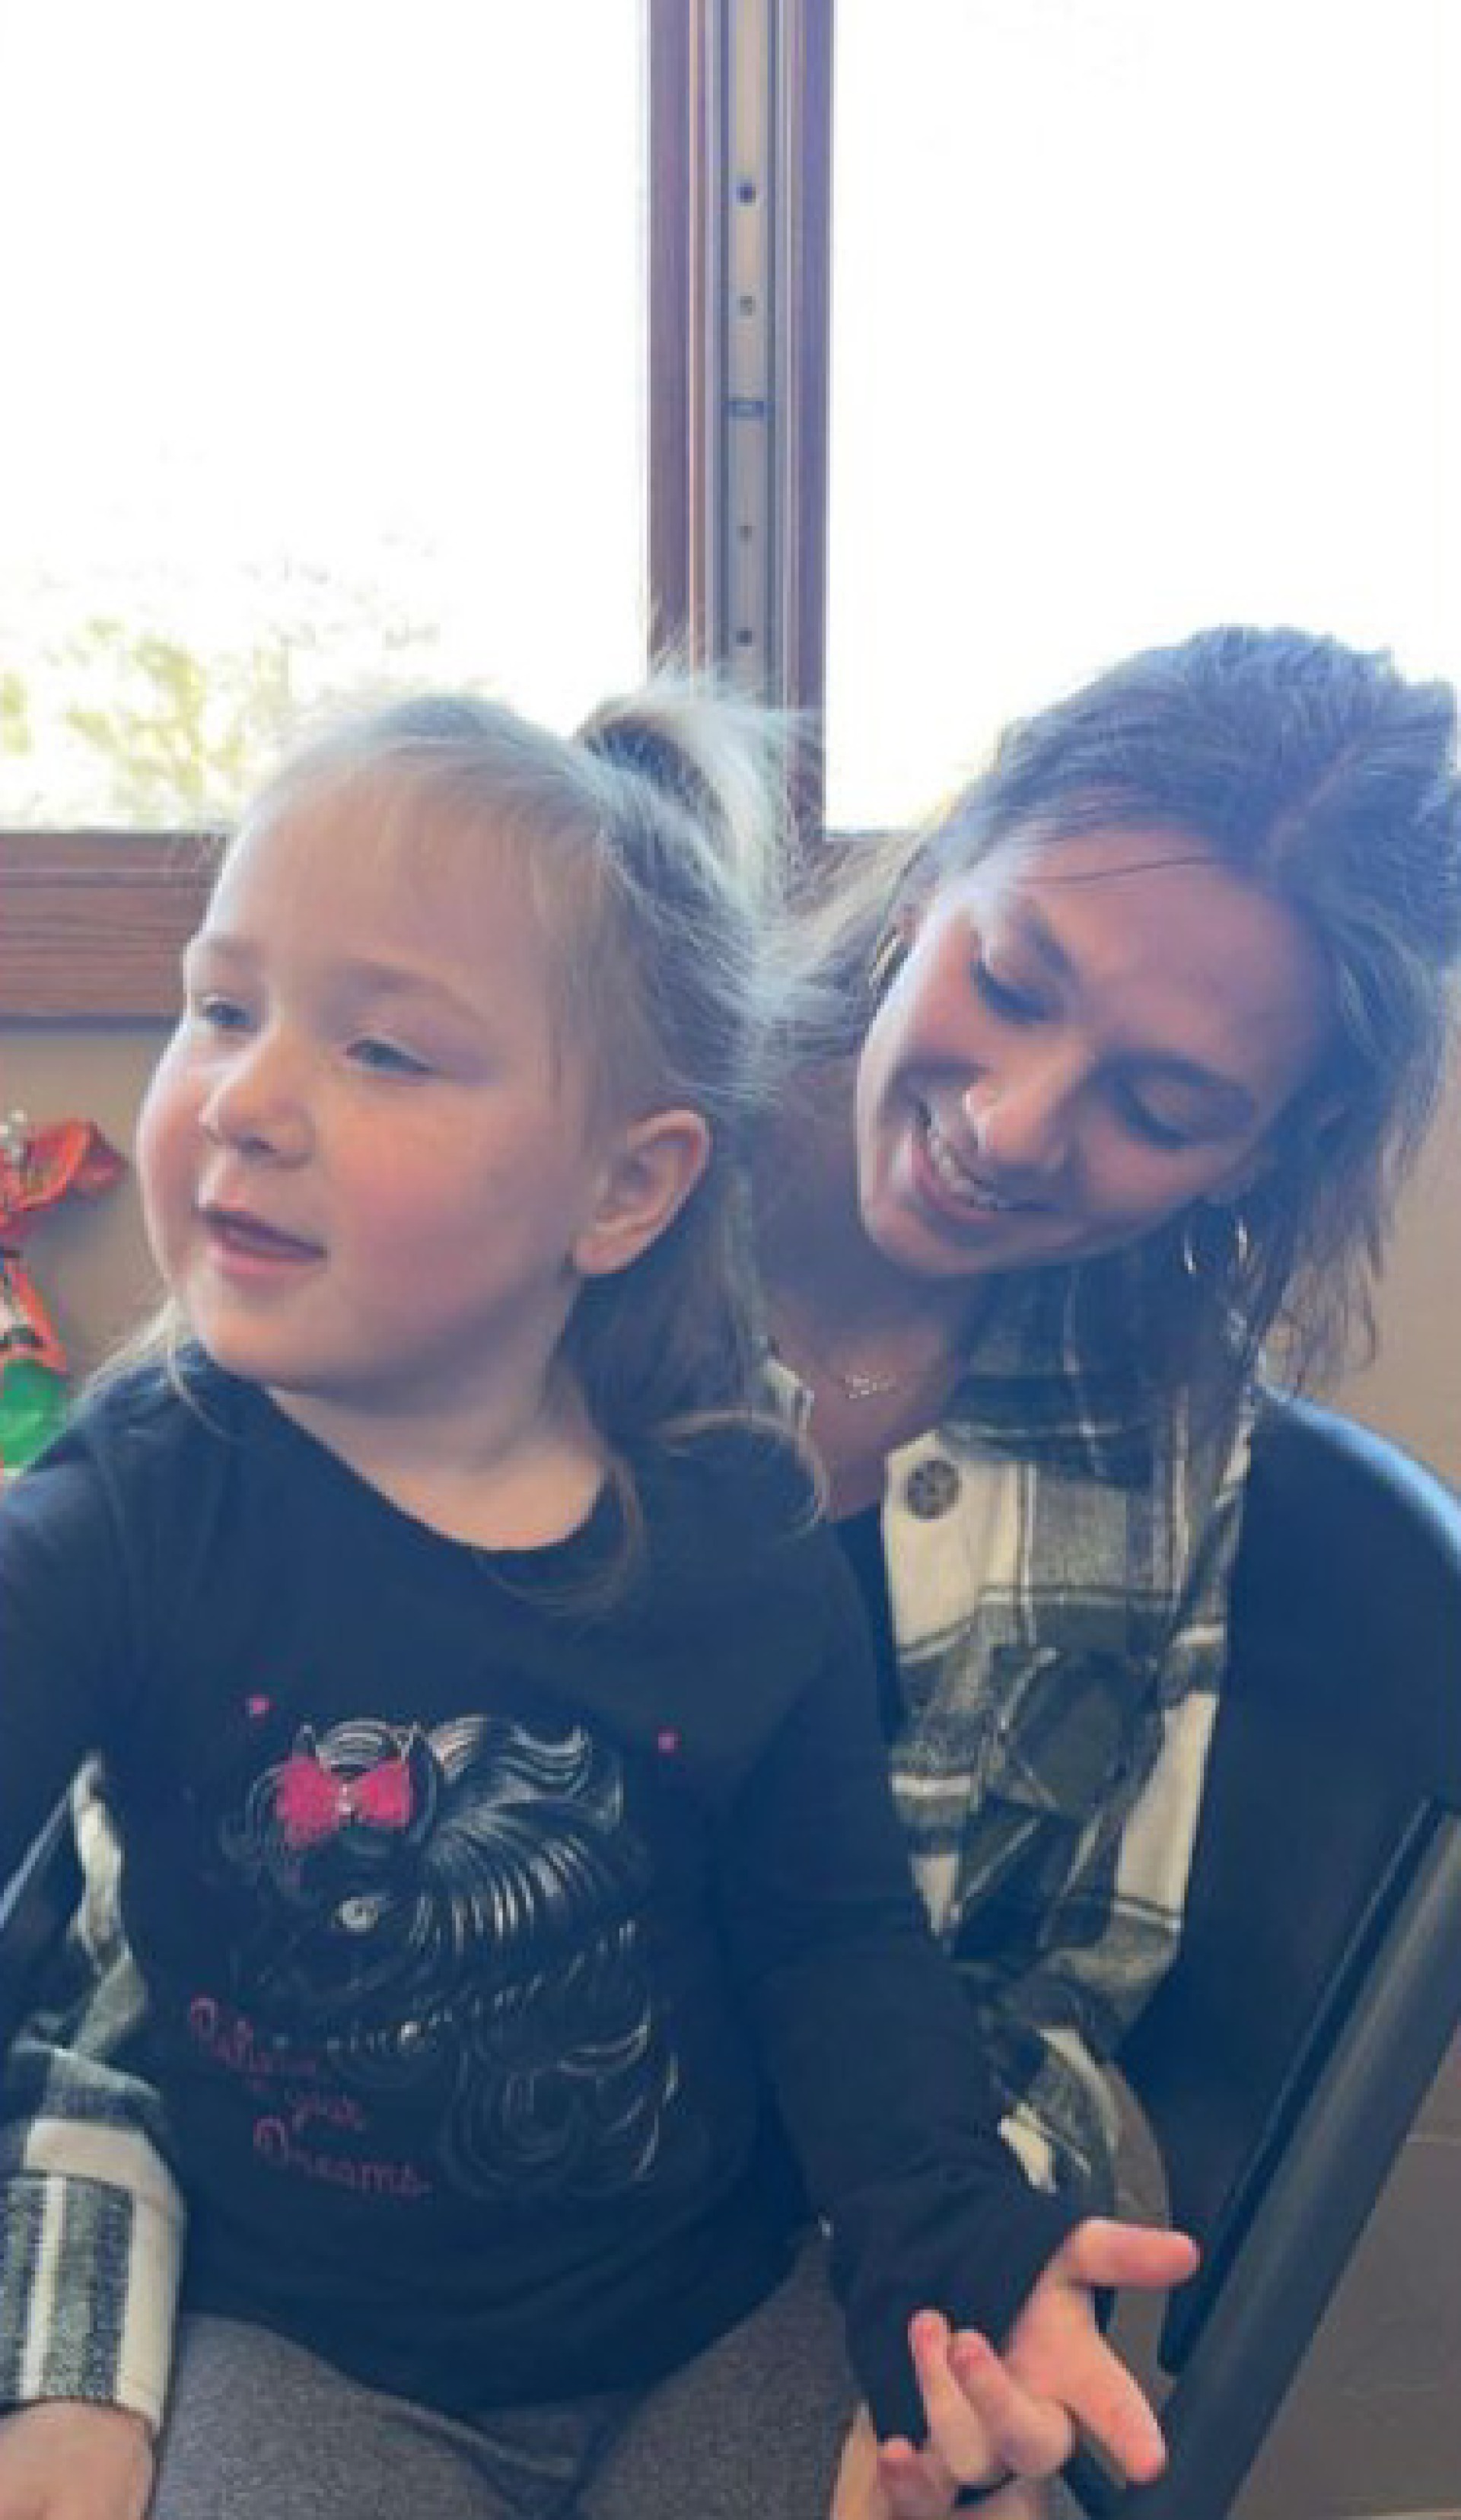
35,1905
1319,1978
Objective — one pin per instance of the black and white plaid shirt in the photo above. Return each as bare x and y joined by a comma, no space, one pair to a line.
1059,1554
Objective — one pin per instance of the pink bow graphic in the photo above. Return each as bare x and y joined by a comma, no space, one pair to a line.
311,1803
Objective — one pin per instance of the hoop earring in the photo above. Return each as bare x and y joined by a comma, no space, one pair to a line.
888,957
1235,1264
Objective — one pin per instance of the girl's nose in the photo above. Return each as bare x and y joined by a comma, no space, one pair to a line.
256,1105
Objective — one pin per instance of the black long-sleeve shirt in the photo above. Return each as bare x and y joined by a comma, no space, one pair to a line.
479,1918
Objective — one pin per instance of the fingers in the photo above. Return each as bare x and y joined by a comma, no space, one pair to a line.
910,2493
1072,2365
991,2415
1110,2404
1103,2252
1058,2355
1030,2434
912,2488
965,2428
858,2491
956,2432
983,2422
1023,2498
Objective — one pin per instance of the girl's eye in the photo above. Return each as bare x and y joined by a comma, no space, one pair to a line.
220,1015
386,1058
1006,998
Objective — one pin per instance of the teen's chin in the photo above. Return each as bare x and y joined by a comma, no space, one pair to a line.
923,1227
928,1247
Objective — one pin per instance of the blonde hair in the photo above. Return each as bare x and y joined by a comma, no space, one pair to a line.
655,844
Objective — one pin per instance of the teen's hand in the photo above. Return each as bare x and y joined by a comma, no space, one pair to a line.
63,2459
1016,2415
917,2486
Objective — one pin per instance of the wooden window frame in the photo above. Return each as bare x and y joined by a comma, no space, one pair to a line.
94,922
739,128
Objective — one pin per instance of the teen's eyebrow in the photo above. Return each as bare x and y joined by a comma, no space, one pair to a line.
1233,1101
1039,933
1042,935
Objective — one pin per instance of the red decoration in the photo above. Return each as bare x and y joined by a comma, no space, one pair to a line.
39,1168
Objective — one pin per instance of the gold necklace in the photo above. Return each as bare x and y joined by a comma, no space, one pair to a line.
866,1386
855,1382
858,1384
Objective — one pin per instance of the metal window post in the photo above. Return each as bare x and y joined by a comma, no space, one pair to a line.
740,148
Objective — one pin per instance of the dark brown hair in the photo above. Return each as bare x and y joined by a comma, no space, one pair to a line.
1320,773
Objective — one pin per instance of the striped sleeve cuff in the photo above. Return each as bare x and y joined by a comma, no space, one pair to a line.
91,2237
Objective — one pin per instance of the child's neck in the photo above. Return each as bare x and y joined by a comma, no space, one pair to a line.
523,1482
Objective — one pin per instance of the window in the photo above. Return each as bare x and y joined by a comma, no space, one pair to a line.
323,347
1145,315
331,334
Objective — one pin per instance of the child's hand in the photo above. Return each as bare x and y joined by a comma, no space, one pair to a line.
1057,2351
63,2459
900,2483
1016,2417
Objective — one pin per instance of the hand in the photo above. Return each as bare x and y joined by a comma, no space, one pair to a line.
1016,2415
63,2459
924,2489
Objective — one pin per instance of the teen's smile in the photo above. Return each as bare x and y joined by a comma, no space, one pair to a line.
953,1176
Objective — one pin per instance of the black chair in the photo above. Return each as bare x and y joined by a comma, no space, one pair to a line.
1319,1980
35,1905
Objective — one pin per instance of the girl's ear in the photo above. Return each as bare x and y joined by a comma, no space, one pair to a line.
647,1178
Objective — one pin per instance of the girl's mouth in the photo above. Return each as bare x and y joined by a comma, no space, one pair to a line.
237,1234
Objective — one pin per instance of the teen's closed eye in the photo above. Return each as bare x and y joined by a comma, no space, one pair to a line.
1153,1126
1007,998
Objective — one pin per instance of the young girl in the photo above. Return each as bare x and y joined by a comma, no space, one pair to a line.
486,1726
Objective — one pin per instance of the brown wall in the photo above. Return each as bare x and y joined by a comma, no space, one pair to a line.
1413,1390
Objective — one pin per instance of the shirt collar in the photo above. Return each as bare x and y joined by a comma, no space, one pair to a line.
1051,1377
1055,1375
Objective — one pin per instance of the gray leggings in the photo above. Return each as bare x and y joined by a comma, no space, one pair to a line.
258,2429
